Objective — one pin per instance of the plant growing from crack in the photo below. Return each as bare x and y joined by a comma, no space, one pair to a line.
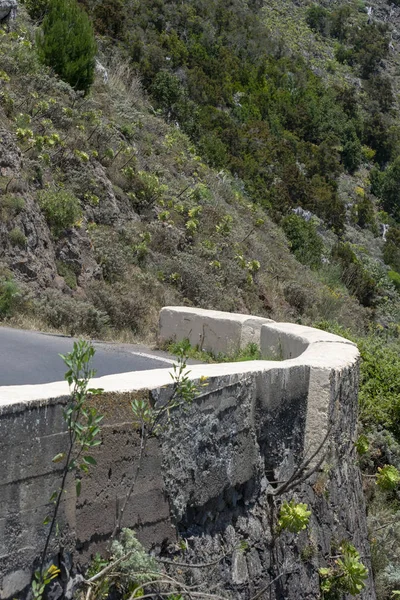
293,517
83,429
345,574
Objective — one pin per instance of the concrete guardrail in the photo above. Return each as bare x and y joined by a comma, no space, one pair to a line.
255,420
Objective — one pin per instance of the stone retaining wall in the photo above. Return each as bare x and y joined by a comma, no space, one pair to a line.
209,477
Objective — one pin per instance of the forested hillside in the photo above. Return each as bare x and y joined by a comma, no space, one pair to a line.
242,156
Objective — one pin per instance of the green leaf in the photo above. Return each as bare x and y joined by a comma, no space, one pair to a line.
95,443
90,460
59,457
78,487
46,520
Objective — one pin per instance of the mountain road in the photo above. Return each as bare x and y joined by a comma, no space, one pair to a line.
30,357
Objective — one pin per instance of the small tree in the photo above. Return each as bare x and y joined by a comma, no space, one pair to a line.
66,43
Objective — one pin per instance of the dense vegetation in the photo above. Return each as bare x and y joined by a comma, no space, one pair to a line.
255,109
254,172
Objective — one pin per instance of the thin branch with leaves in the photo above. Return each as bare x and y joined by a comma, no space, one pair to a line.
83,429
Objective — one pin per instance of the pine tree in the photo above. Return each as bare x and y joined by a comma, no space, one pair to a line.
66,43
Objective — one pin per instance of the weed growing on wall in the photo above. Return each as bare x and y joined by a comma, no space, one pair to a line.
249,352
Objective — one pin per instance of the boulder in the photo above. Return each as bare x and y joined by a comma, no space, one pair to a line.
8,9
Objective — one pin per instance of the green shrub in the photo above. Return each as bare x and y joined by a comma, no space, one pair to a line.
109,17
317,19
10,206
68,273
61,209
66,43
249,352
9,295
36,8
128,305
355,277
351,154
305,243
75,316
391,248
366,214
394,277
390,190
345,574
167,90
17,238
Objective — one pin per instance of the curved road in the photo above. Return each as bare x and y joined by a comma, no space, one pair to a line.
30,357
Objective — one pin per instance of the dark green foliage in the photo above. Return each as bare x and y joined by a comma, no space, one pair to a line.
380,391
36,8
68,273
390,191
351,153
305,243
391,249
61,209
17,237
366,214
370,46
66,43
271,121
318,18
167,90
109,17
339,22
379,88
394,277
356,278
9,295
376,177
363,47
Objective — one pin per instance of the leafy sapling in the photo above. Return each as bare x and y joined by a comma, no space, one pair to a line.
83,429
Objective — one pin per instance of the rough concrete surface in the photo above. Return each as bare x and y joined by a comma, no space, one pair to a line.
210,477
210,330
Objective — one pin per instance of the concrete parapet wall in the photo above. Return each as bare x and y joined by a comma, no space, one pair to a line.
207,478
291,341
210,330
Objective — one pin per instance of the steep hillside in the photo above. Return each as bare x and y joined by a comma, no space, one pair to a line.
108,213
243,156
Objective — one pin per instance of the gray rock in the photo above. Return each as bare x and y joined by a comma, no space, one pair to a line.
8,9
73,584
55,591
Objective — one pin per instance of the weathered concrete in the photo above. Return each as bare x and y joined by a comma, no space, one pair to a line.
293,340
210,330
211,474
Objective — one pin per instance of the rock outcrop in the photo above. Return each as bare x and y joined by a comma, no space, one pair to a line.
8,9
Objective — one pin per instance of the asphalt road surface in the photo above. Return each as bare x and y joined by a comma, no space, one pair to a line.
30,357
